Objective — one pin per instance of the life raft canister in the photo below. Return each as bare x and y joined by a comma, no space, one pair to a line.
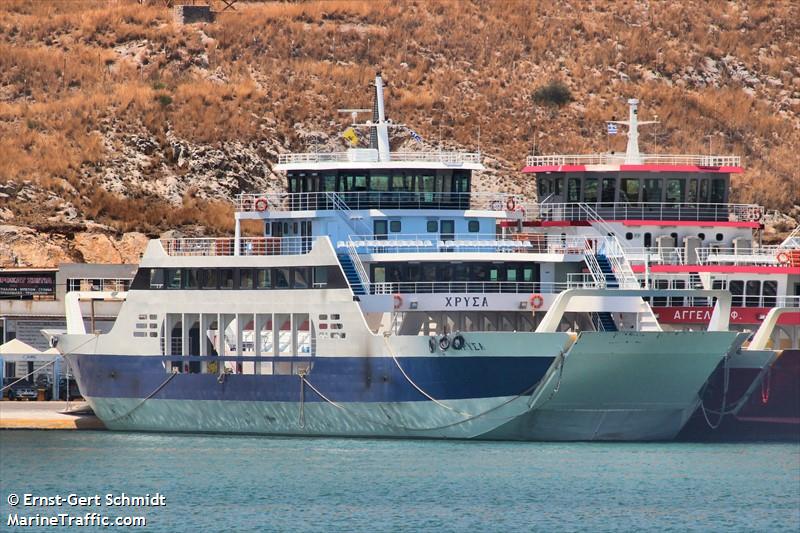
261,205
537,301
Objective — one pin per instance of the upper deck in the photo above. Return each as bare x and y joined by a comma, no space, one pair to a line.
366,158
612,162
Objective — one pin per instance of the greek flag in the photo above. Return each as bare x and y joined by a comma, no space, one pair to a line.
415,136
612,128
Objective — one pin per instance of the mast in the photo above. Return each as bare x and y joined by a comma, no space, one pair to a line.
379,133
632,155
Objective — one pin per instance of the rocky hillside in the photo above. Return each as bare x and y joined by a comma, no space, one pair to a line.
116,123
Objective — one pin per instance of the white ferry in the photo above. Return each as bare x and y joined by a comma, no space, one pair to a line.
672,216
385,298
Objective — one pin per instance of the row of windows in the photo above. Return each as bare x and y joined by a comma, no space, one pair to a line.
449,272
604,189
751,293
329,277
424,181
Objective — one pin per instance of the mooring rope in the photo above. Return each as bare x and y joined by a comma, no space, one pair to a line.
138,405
721,413
467,416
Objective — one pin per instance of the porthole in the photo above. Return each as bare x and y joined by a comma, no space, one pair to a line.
701,236
720,236
629,236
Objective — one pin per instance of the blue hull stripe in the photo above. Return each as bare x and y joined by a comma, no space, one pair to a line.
341,379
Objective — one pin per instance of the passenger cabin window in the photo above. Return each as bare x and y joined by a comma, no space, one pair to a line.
281,278
209,278
432,226
395,226
245,279
173,278
473,226
263,278
226,278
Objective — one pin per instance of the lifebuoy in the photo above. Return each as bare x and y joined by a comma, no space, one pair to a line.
458,342
444,343
247,203
511,204
783,258
398,301
537,301
431,344
261,204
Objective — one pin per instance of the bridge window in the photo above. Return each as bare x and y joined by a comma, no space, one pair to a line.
609,189
651,190
191,279
379,182
590,190
675,190
703,190
630,190
717,191
573,189
691,192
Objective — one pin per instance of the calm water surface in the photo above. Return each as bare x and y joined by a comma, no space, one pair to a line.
224,483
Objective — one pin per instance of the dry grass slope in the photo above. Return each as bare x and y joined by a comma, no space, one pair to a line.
76,76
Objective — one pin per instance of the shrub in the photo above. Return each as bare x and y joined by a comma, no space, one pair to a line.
554,93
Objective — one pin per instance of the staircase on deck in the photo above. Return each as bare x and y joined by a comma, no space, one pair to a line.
351,274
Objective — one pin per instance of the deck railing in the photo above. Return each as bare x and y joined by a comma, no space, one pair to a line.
471,242
249,246
332,201
765,256
491,287
371,156
712,161
647,211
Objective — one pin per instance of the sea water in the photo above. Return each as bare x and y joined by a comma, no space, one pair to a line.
235,483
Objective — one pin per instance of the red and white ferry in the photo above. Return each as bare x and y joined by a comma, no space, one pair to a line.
678,230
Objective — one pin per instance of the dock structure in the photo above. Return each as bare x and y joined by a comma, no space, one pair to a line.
47,415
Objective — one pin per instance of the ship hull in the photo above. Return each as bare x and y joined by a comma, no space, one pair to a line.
770,409
437,397
627,386
621,386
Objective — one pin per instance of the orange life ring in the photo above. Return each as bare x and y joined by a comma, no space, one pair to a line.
537,301
783,258
261,205
510,204
398,301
